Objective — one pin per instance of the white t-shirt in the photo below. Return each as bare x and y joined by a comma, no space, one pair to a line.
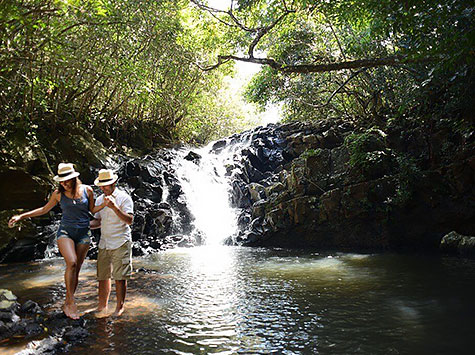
114,231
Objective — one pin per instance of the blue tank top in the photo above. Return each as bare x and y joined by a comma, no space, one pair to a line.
75,211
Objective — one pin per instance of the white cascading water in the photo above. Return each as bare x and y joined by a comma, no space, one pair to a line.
206,190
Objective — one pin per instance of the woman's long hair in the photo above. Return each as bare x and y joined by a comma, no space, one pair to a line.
75,186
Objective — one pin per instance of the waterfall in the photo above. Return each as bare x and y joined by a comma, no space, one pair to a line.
206,187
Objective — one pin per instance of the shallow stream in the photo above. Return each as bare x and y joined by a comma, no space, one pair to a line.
219,299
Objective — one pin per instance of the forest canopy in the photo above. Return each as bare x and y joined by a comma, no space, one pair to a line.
349,58
154,71
114,67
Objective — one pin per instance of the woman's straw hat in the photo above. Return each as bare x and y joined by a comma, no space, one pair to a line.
106,177
65,172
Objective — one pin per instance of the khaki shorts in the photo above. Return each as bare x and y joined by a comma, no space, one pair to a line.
115,262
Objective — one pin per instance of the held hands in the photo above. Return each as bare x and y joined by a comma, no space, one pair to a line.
13,220
110,202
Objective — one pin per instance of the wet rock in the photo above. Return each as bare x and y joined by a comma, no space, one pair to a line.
175,190
134,181
7,295
192,156
255,162
26,241
456,243
297,184
3,329
257,225
28,191
18,327
9,317
75,334
164,205
330,139
24,249
244,219
33,329
147,170
259,208
249,238
240,196
276,188
150,192
218,146
132,168
46,346
31,307
256,191
63,332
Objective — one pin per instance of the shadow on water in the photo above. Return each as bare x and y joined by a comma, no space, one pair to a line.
231,300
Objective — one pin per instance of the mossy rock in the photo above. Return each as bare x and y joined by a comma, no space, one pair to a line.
19,189
25,241
21,230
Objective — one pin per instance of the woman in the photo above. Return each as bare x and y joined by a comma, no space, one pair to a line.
73,236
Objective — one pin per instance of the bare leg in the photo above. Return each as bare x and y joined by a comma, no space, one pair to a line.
81,252
104,293
121,290
68,251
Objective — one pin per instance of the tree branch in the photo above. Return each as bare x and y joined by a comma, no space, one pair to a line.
301,68
262,31
212,11
336,91
353,64
320,68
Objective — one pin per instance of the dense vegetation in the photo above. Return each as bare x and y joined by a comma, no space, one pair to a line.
135,72
123,69
352,58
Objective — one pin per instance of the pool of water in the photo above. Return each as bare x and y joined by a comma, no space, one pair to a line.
231,300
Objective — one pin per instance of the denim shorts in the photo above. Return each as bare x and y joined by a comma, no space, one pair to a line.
78,235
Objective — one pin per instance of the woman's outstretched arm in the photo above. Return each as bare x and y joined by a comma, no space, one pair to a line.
54,199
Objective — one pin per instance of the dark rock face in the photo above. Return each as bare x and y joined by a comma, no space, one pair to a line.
325,184
161,218
28,240
309,185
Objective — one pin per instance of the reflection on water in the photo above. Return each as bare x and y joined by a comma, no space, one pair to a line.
231,300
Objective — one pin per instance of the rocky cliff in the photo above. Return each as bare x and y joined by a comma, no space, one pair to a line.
326,184
329,185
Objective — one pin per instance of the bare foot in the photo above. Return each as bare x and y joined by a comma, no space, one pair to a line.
70,310
101,312
118,312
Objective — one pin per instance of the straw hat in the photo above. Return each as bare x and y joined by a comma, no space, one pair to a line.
65,172
106,177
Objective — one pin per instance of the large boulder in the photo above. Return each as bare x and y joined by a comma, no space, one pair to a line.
20,189
455,243
26,240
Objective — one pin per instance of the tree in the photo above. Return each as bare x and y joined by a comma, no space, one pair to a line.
370,55
123,68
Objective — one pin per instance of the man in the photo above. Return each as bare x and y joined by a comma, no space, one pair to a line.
115,247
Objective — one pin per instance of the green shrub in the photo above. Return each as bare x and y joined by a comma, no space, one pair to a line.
409,174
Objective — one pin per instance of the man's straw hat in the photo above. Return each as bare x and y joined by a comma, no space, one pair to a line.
106,177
